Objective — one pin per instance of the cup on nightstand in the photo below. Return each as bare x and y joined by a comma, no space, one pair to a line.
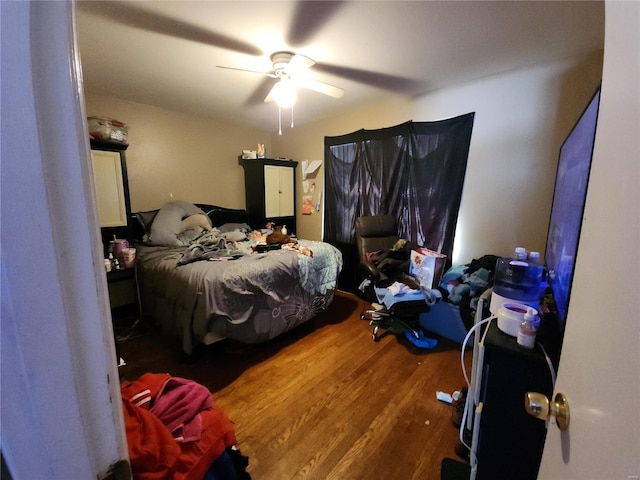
129,256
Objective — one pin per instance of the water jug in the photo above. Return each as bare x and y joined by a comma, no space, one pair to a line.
516,279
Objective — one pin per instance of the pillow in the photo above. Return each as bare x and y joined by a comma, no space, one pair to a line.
145,219
221,215
167,224
199,221
230,227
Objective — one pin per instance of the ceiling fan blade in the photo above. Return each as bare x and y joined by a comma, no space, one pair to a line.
309,17
271,95
266,74
258,95
127,14
320,87
374,79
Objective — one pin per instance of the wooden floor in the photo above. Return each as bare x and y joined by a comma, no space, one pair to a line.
324,401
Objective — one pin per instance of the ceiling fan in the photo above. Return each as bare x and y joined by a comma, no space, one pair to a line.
291,70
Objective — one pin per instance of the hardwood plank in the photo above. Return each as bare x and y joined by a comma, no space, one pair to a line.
325,401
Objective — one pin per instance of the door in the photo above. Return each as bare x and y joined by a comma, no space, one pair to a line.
110,194
286,192
278,191
600,362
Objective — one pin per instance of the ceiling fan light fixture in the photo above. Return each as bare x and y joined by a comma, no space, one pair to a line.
284,93
291,71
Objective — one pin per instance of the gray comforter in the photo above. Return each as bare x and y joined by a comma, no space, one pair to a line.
249,297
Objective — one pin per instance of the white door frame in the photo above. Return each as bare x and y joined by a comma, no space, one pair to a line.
61,408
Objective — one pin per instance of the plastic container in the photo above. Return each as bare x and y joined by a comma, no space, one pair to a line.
117,246
510,317
107,129
518,279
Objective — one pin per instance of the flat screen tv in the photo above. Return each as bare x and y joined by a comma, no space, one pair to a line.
567,209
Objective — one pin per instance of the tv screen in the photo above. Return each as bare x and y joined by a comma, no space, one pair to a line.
567,209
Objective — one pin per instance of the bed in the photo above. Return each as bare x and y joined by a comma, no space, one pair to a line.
202,289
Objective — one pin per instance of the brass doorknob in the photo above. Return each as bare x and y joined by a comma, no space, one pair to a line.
538,405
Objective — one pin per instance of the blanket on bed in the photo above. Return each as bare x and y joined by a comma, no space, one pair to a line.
199,277
249,297
208,246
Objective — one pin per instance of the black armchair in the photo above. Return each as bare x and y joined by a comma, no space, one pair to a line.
379,233
374,233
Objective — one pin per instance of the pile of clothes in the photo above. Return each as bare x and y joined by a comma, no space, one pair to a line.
174,430
462,285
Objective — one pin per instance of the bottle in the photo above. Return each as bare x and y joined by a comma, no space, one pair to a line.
520,253
115,264
527,332
284,230
534,260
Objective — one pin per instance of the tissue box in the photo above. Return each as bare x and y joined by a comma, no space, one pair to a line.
428,263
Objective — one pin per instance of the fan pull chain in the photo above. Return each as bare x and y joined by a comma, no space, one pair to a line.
280,119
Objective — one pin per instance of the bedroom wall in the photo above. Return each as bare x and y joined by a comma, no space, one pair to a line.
179,155
521,120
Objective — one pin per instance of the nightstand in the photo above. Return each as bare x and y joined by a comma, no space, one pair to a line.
125,311
123,294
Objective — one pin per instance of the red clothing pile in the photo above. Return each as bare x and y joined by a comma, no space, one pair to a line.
173,428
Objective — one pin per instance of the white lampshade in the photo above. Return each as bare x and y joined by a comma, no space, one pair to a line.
284,93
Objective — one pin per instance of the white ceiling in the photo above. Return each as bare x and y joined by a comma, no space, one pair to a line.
164,53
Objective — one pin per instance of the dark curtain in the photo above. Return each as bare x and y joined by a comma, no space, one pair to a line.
414,171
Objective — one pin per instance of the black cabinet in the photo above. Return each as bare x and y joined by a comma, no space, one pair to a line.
114,214
270,192
510,441
123,294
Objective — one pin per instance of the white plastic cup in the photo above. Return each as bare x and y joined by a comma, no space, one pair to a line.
129,256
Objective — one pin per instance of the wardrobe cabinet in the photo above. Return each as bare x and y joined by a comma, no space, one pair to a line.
109,166
270,192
